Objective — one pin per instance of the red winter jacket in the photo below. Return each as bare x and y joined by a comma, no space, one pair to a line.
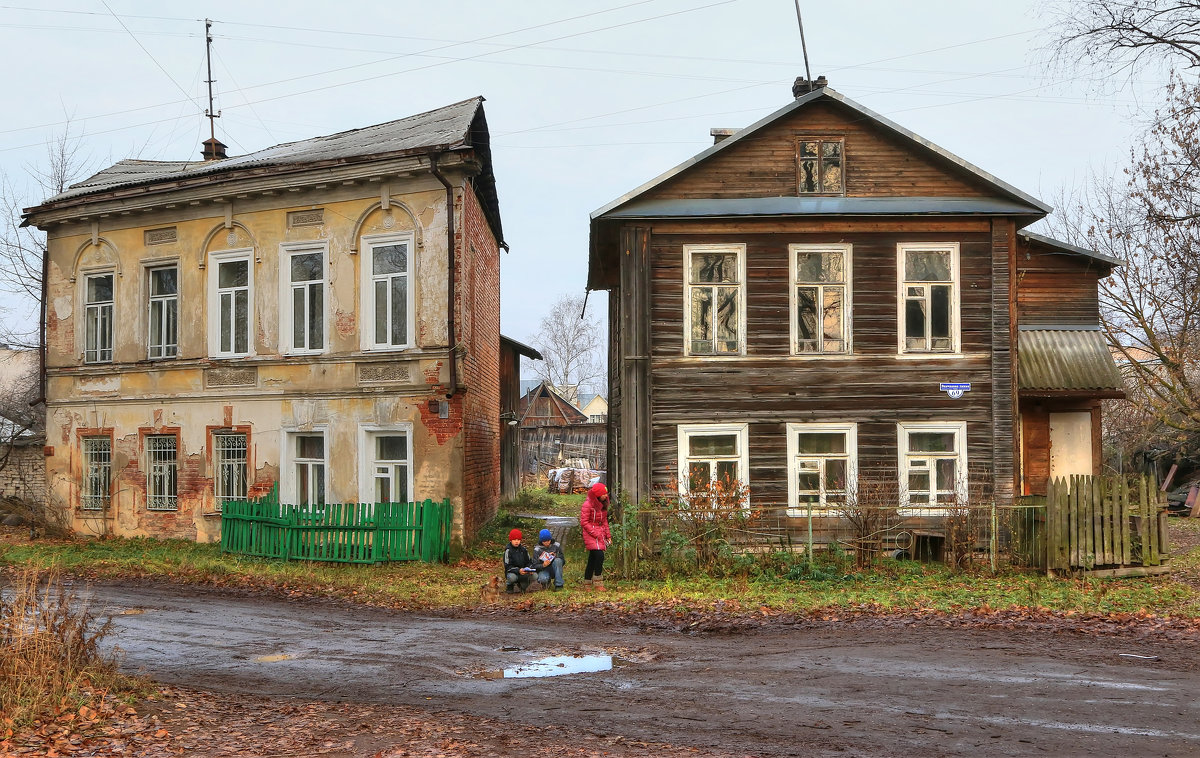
593,519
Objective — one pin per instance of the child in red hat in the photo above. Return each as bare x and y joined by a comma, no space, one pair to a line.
518,566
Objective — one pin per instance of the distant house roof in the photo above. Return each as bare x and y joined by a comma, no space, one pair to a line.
1030,203
523,349
1066,361
457,126
1062,247
567,412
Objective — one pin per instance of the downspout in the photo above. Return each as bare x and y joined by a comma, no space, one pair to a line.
42,311
450,299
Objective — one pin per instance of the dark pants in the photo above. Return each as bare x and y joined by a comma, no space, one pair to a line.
517,582
595,564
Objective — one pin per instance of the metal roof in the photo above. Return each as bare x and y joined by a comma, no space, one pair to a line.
813,206
1066,360
441,128
522,348
800,102
1063,247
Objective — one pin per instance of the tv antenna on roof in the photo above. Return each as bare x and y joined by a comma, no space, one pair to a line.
803,45
210,113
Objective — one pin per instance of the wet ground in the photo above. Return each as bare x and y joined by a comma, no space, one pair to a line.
818,689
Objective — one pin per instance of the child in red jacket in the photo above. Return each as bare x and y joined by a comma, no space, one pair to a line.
593,521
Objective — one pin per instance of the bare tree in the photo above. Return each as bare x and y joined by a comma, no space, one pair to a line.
572,345
1150,306
1118,35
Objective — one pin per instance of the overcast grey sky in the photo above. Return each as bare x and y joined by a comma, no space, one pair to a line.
585,99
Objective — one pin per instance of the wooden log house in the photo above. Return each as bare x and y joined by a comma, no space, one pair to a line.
786,306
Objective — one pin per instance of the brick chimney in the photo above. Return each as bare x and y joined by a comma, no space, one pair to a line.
214,149
803,86
720,135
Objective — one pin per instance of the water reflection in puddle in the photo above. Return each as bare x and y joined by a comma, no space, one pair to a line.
556,665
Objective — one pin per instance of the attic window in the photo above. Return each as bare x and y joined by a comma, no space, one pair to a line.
819,166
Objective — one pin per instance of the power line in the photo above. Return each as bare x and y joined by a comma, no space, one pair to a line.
147,52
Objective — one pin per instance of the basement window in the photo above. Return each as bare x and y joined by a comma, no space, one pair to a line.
821,466
162,473
933,464
819,163
229,478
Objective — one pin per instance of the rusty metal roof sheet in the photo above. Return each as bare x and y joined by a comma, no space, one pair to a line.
818,206
1066,360
445,127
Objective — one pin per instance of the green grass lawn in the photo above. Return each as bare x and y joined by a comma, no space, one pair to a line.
890,586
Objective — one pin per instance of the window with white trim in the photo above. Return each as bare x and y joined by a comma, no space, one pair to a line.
96,491
928,298
229,467
305,301
820,299
713,454
162,473
387,295
163,317
98,318
231,304
390,466
308,468
822,466
714,313
933,463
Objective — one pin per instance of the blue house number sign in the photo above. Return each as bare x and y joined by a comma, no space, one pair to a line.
955,389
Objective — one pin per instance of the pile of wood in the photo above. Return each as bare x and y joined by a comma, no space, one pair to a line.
565,481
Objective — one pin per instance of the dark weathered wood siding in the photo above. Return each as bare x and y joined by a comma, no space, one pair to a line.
510,398
878,164
1057,289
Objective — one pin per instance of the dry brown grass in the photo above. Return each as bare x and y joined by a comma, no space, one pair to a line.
50,656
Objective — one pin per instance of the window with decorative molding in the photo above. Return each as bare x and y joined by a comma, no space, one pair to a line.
96,489
309,468
387,297
163,286
231,303
162,473
305,301
98,318
229,463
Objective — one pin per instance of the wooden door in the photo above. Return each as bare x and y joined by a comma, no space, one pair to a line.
1070,443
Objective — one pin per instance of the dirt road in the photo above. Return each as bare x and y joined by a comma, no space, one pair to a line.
837,688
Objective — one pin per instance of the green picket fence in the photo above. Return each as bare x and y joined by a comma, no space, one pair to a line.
340,533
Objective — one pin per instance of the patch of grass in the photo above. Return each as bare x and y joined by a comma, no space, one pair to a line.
50,658
545,503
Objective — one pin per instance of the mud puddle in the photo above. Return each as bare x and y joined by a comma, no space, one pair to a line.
556,665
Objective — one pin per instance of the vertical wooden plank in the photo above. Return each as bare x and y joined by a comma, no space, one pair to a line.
1123,520
1152,520
1143,532
1003,359
1054,531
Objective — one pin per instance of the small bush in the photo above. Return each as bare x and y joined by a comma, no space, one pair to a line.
50,657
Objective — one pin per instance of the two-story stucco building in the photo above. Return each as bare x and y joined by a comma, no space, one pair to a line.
322,314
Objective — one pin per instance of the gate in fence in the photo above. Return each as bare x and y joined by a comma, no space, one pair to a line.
1107,525
339,533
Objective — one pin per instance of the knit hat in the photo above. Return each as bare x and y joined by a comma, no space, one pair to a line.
515,534
598,490
545,535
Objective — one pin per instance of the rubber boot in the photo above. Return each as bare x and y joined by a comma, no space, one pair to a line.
598,584
587,585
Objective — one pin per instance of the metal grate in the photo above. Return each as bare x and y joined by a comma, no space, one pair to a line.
162,482
229,482
97,473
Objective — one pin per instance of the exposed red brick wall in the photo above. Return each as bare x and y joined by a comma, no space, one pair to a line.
477,322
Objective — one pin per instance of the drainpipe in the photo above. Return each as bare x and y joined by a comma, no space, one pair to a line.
42,327
433,168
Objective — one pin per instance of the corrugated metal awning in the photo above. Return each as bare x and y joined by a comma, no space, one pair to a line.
1072,361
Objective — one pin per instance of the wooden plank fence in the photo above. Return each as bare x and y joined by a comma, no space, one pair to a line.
1114,525
339,533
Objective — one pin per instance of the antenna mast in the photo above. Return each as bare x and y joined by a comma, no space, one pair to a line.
214,115
803,46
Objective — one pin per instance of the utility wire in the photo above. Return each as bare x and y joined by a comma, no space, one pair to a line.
147,52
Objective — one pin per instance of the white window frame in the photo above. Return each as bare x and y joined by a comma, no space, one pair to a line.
795,509
218,450
740,250
366,321
286,302
959,428
367,434
214,303
288,491
97,468
99,308
161,501
684,431
955,298
151,299
847,252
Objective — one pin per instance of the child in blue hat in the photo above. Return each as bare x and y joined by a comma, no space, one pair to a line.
548,559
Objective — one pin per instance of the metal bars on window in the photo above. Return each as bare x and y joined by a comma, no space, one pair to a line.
96,490
162,473
229,480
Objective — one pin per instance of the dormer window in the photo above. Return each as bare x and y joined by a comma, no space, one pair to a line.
819,163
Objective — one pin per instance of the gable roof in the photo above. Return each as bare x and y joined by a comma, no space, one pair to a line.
461,125
825,93
569,413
